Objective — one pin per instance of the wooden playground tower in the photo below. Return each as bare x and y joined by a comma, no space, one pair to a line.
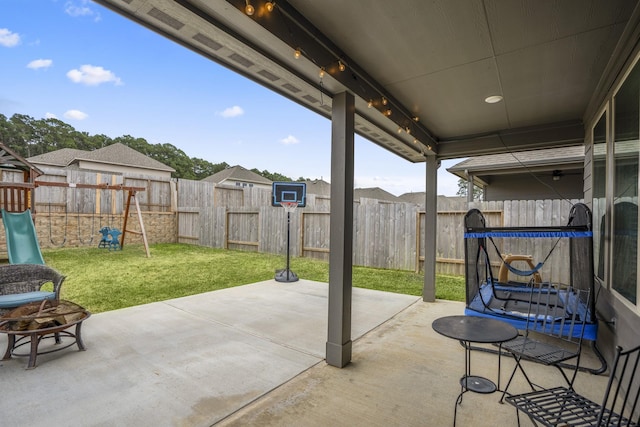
19,196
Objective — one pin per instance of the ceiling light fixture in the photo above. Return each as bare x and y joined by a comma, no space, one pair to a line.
416,119
387,112
384,101
370,103
341,66
249,9
493,99
321,72
297,53
269,6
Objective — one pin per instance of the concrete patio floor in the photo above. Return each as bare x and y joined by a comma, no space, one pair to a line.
254,355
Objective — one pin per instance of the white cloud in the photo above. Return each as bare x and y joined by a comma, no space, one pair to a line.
231,112
75,115
91,75
289,140
80,8
40,63
50,116
9,39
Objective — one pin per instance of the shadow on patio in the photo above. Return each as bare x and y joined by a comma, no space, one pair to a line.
254,355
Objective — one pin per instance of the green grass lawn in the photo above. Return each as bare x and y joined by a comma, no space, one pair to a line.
101,280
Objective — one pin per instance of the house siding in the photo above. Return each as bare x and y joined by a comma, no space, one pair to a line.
619,318
525,187
121,169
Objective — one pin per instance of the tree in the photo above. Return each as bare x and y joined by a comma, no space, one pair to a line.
29,137
462,190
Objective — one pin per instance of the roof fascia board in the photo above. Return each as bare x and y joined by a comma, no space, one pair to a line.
513,140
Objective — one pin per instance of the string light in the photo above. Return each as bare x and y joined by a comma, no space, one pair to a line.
269,6
249,9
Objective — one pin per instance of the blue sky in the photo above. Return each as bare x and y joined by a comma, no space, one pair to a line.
103,74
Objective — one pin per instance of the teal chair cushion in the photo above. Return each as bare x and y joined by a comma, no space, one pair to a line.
16,300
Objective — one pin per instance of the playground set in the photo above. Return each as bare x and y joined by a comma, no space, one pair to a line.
17,204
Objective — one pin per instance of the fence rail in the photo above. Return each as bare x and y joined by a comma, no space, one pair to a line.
386,235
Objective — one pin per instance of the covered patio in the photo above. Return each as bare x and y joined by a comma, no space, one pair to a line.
427,81
254,355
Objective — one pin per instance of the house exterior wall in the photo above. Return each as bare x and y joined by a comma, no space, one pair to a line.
239,183
525,187
620,316
103,167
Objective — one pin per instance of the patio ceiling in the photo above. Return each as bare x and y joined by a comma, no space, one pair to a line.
436,61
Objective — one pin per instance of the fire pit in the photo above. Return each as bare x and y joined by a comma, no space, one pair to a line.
33,322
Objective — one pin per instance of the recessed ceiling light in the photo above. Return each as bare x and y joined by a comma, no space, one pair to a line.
493,99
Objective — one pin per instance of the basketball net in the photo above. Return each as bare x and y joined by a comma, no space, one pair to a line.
289,206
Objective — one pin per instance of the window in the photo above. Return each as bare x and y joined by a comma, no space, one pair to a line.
624,236
599,193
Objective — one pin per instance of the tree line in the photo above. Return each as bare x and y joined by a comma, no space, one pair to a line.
31,137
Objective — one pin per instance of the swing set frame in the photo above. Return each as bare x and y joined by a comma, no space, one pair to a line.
17,197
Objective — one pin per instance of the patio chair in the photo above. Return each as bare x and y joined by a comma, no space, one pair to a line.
21,284
555,326
563,406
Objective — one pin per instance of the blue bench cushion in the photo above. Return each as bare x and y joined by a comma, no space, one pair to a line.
16,300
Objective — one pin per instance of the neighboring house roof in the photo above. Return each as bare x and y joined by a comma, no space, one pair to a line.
318,187
237,173
374,193
551,158
122,155
61,158
115,154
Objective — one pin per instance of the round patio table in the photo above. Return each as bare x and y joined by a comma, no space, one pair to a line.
479,330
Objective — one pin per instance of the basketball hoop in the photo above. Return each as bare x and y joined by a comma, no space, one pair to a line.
289,206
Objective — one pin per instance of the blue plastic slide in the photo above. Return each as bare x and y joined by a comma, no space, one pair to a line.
22,240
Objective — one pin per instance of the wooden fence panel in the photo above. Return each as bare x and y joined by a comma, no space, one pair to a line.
232,197
315,235
243,231
194,197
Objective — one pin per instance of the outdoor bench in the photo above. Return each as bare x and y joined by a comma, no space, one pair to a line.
21,284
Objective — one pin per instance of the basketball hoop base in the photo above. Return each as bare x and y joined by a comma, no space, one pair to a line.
282,276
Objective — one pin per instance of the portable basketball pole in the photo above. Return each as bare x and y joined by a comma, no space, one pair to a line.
287,275
131,195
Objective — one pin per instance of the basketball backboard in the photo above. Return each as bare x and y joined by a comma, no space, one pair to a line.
289,192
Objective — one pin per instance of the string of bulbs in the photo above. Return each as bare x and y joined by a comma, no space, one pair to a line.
382,104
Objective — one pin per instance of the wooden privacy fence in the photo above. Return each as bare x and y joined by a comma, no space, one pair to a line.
385,235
